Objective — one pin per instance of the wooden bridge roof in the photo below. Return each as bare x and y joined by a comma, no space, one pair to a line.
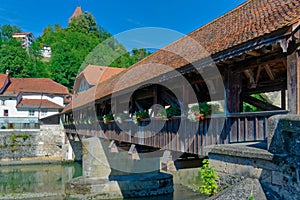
249,23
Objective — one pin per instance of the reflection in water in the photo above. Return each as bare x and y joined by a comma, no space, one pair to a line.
30,181
48,182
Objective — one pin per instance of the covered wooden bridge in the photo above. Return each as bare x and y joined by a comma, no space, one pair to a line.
252,49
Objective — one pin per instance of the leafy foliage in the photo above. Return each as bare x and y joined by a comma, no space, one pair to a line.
209,179
16,59
173,110
140,115
170,112
6,31
108,118
199,111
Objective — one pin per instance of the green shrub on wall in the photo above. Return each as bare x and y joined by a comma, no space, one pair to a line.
209,179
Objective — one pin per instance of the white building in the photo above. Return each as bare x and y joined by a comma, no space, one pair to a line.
24,101
46,51
26,38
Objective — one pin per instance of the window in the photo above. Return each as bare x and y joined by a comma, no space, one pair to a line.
5,113
31,112
3,102
44,112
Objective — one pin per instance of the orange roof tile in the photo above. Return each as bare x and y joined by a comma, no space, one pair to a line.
35,85
249,22
95,74
38,103
76,13
3,78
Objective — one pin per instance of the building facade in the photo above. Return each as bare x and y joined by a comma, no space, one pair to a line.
26,38
25,101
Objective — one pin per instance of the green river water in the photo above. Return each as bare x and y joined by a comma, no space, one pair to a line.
47,182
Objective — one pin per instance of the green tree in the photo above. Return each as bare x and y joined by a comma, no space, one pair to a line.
70,48
84,23
6,31
14,58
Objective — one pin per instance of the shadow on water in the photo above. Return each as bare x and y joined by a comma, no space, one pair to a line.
48,182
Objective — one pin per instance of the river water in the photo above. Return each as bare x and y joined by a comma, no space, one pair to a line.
47,182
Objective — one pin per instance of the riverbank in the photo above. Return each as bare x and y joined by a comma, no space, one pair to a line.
31,161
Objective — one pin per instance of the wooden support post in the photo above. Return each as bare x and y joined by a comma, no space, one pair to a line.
233,87
185,98
283,99
293,82
155,100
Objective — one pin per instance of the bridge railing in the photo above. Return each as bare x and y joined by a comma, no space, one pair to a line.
183,135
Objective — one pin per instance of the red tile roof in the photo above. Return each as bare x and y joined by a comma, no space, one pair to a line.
77,12
24,33
3,78
38,103
95,74
35,85
249,22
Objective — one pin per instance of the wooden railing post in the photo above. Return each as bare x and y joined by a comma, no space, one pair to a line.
293,82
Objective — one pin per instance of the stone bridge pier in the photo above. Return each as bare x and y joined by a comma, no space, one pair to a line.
111,172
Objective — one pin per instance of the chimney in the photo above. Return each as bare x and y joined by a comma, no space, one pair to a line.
7,72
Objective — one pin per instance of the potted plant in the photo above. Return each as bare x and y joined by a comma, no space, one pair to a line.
168,113
199,111
173,110
100,118
161,114
140,115
108,118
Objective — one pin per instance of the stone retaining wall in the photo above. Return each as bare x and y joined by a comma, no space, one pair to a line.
49,142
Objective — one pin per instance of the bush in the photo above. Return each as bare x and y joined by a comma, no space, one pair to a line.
209,179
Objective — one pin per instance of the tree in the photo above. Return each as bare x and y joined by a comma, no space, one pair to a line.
83,42
14,58
6,31
84,23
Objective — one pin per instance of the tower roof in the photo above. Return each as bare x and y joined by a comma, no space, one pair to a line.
77,12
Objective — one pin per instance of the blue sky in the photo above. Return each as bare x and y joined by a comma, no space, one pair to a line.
115,16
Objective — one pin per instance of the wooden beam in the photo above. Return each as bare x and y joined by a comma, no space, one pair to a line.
260,104
253,53
267,86
293,82
269,71
242,66
258,74
249,74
